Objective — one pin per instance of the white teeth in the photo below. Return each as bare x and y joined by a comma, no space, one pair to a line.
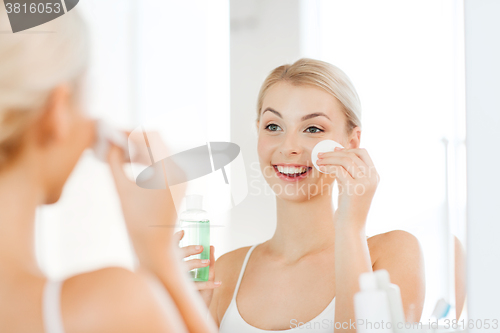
290,170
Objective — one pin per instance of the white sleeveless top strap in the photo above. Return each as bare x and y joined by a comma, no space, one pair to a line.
51,307
233,322
242,271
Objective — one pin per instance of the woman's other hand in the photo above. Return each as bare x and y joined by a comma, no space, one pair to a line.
357,180
206,288
150,214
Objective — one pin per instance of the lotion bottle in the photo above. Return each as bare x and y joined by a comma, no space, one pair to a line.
196,225
394,297
371,306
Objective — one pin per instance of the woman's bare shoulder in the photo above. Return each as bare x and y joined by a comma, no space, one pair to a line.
115,299
387,243
231,262
400,253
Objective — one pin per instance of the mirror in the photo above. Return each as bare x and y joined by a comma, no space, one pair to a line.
406,61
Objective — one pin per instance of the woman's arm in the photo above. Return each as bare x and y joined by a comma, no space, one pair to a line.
352,258
357,180
150,216
172,273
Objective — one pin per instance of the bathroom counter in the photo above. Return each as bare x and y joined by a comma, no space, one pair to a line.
441,329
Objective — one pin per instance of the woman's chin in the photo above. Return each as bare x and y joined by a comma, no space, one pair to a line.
53,196
304,189
293,198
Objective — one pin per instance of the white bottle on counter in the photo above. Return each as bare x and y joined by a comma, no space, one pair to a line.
371,306
394,297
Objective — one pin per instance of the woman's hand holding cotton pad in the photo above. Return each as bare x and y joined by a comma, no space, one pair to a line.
106,134
323,147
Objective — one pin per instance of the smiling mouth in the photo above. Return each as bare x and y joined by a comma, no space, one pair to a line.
292,173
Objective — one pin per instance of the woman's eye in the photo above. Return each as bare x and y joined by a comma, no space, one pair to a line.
318,130
272,127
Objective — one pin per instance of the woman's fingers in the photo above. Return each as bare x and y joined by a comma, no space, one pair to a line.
340,173
368,168
190,250
178,236
351,166
200,263
202,285
371,172
116,158
348,160
211,270
197,263
210,284
363,154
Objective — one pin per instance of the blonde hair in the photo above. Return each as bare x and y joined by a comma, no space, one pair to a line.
32,64
320,74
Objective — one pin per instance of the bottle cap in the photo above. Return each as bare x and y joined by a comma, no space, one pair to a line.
323,147
382,276
193,201
367,281
441,309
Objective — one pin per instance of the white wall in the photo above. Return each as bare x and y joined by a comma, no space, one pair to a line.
264,35
482,52
183,88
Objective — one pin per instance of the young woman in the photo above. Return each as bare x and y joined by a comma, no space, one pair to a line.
307,273
42,135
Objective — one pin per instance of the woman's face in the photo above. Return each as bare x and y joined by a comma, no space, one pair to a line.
293,120
58,140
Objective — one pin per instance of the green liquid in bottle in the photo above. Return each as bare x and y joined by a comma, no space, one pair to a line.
198,233
196,226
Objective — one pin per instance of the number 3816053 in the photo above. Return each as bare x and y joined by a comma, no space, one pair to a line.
47,8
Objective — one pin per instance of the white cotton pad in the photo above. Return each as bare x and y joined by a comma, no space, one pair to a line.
323,147
106,134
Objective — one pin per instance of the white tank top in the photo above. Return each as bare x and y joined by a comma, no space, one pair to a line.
233,322
51,307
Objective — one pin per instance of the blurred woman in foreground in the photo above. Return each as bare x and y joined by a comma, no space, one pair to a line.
43,132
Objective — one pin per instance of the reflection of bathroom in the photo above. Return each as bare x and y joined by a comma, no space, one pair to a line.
411,82
412,195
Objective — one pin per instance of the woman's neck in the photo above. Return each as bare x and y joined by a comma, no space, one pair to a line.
303,228
18,201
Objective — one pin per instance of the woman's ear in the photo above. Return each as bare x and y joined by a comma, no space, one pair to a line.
55,119
355,137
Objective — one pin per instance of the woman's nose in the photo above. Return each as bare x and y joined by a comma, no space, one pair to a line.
291,145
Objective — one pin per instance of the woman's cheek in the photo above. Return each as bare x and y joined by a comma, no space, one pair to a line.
263,148
327,182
